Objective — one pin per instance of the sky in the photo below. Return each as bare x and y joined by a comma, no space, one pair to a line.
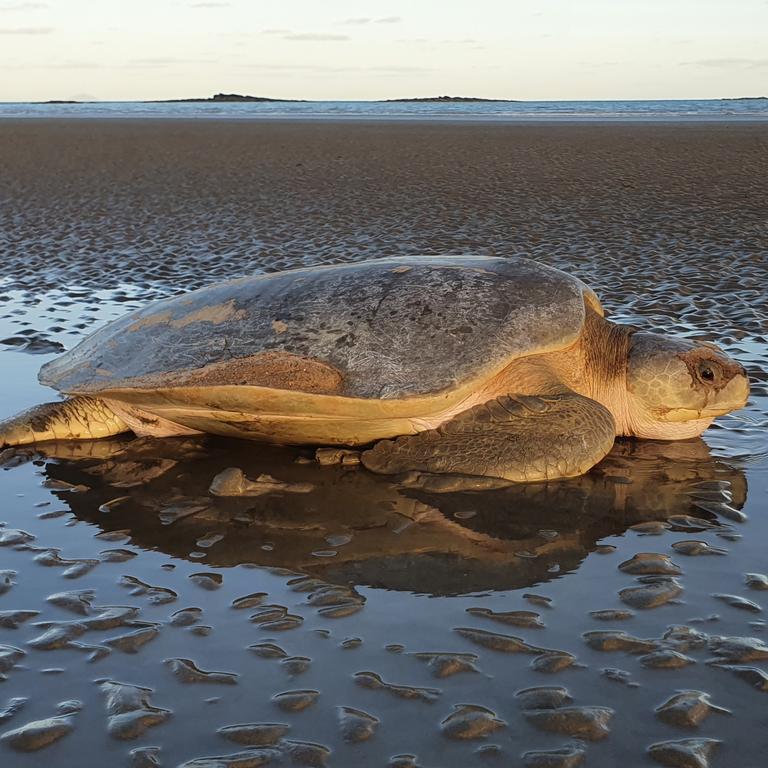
376,49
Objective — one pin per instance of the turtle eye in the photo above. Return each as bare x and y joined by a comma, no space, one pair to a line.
707,372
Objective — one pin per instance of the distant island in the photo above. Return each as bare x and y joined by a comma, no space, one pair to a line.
453,99
746,98
221,97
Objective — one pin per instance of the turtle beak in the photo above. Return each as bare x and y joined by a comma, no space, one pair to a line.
730,397
728,393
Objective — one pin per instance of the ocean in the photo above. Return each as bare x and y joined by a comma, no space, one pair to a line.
512,111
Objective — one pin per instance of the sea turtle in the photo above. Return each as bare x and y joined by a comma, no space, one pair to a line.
474,365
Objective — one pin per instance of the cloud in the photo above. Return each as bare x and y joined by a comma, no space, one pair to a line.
303,68
325,68
399,70
164,61
22,6
79,64
435,41
54,65
369,20
601,64
210,5
315,36
727,62
288,34
26,30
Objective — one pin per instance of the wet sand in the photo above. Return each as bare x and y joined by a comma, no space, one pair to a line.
97,202
360,623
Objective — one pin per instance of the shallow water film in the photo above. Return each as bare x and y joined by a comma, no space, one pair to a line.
333,617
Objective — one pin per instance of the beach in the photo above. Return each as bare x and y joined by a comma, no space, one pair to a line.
362,622
193,202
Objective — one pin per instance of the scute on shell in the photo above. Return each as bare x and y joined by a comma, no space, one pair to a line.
382,329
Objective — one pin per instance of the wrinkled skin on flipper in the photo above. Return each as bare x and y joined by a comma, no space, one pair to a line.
79,418
516,438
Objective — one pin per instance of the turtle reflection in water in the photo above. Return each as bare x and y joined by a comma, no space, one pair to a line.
495,367
391,536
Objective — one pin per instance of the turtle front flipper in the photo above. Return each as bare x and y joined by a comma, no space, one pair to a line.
79,418
519,438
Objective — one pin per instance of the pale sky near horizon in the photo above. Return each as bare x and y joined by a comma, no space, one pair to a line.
378,49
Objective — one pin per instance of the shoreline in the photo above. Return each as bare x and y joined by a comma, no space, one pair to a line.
401,119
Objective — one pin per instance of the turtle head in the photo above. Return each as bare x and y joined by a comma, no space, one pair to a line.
676,387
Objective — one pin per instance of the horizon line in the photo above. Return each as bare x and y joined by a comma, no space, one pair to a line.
204,99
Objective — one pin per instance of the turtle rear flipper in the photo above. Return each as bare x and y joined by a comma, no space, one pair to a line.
79,418
519,438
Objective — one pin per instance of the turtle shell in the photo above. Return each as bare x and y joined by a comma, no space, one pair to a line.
383,329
